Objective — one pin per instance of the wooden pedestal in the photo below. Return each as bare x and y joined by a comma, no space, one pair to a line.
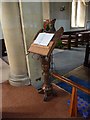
45,54
47,88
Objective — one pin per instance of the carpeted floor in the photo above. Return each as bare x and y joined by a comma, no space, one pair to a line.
81,72
64,61
68,60
25,102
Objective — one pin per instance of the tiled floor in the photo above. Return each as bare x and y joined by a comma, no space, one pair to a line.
4,71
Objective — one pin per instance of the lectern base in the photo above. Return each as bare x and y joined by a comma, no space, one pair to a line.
48,92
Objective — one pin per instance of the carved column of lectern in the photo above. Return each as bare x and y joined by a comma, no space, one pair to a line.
47,87
45,55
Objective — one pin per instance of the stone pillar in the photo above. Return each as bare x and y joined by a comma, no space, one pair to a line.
32,22
12,32
46,10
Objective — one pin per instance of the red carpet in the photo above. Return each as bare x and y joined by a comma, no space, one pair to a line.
25,102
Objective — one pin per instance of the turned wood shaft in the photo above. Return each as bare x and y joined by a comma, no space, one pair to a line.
73,103
46,67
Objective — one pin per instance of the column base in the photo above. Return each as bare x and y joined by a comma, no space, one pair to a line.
19,80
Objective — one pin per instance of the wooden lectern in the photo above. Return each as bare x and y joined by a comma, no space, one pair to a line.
45,55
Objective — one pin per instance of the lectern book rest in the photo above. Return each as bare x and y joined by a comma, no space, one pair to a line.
45,50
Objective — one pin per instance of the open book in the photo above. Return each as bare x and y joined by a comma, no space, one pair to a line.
43,39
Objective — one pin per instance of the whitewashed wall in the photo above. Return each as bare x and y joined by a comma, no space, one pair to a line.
1,35
62,17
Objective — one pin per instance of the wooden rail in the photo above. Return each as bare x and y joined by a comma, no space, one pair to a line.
68,81
75,86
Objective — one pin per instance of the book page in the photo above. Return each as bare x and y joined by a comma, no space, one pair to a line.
43,39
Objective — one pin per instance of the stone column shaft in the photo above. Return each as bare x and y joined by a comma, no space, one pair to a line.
12,32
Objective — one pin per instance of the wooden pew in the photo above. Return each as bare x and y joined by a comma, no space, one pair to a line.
68,40
87,52
73,38
85,36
